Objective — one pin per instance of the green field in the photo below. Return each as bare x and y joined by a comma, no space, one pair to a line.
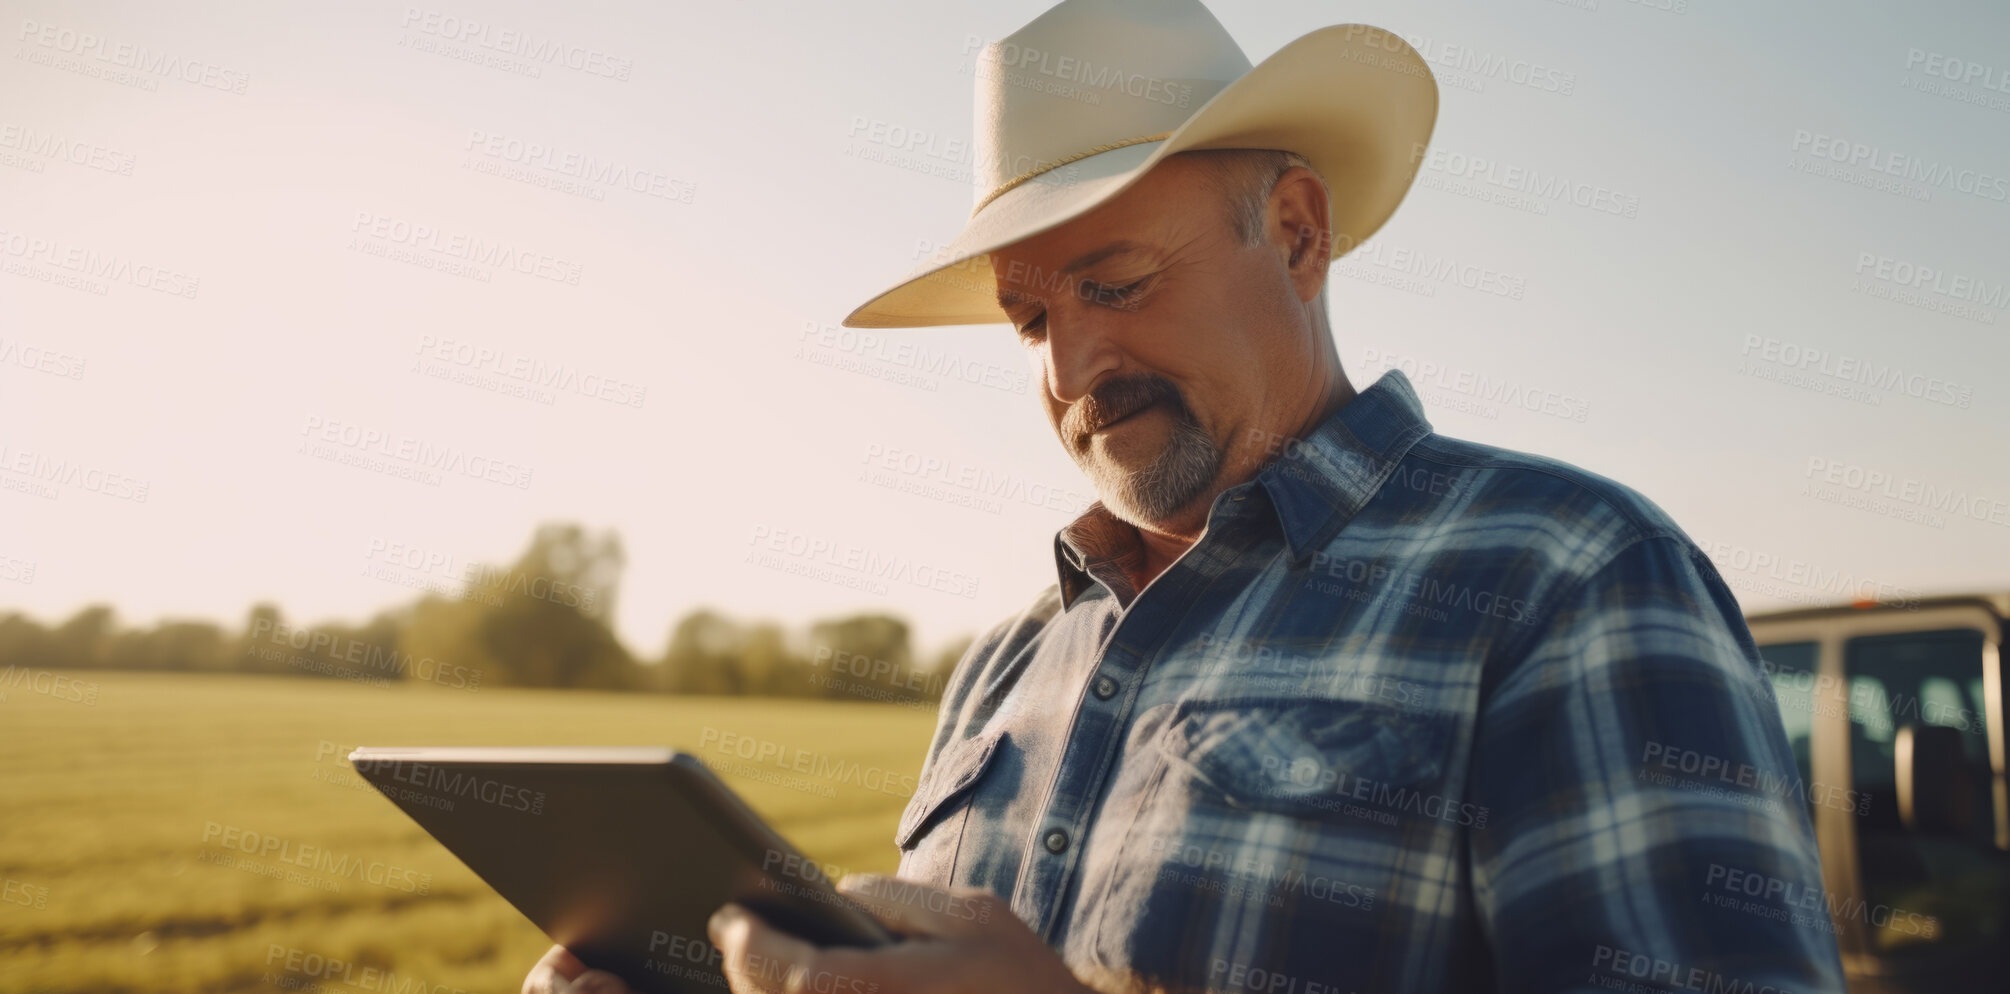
124,819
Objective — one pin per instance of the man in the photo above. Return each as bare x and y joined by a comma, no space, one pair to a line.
1322,701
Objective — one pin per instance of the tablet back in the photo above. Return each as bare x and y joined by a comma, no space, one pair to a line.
620,855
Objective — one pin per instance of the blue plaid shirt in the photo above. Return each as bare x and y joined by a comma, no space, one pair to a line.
1414,714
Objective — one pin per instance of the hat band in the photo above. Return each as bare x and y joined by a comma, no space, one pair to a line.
1007,186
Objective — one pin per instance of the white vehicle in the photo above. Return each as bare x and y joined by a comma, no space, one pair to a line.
1896,717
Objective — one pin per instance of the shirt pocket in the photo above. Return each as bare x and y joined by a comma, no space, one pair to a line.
931,827
1302,814
1308,758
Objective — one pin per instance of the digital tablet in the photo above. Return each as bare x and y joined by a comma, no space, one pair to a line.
620,855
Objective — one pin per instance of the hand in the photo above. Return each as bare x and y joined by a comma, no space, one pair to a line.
962,940
560,972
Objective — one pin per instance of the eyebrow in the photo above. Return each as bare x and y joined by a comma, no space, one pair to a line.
1009,297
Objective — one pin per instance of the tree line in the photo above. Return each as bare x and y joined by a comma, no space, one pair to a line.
544,621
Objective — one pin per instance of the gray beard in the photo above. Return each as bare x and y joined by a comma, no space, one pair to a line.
1180,475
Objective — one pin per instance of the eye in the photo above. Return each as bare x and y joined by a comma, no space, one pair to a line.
1122,297
1032,331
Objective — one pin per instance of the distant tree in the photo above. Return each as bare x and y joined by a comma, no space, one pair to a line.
543,621
771,668
24,642
865,656
546,620
262,639
172,645
85,639
704,655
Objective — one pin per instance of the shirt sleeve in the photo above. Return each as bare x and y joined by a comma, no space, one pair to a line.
1647,828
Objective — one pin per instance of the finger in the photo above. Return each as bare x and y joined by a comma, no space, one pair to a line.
921,909
597,982
553,971
756,956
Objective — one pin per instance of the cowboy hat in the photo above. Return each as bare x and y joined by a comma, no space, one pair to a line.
1077,105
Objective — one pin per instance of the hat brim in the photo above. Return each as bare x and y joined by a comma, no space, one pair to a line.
1357,101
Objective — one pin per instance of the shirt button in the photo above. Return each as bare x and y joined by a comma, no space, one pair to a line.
1105,688
1057,842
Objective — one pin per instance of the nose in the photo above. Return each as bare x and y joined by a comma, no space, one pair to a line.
1080,351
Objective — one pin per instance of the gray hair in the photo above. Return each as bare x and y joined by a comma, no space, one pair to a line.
1245,178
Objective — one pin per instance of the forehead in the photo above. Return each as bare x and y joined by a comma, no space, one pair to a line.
1168,204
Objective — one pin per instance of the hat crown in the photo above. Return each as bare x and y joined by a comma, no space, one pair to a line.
1091,73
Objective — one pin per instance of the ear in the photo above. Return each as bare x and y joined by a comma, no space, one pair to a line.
1301,229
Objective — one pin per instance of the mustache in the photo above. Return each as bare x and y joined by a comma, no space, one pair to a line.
1119,399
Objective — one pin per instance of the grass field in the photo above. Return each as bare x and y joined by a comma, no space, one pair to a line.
125,818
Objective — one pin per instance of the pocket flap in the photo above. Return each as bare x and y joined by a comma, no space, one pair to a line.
1298,755
954,770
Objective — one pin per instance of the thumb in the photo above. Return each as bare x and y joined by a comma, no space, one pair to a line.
915,908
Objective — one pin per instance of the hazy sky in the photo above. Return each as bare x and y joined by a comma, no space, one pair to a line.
250,262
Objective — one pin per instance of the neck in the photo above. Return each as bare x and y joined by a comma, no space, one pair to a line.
1162,546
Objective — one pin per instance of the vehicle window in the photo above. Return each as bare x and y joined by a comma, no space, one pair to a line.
1791,667
1923,893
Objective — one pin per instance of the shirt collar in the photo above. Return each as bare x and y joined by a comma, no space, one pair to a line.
1316,484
